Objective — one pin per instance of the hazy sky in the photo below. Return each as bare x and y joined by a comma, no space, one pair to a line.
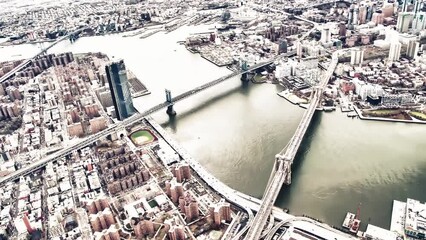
7,6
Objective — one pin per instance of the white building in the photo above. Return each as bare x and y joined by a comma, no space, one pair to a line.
357,56
412,48
404,20
394,51
325,35
364,89
419,22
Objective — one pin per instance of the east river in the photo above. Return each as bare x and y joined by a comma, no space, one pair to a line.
235,130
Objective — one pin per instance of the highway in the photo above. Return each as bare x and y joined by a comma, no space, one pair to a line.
135,118
28,61
282,172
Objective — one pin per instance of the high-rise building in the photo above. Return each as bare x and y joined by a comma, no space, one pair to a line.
419,22
342,29
181,172
174,190
120,92
299,49
221,211
388,9
176,233
403,23
325,35
355,16
394,51
362,14
189,206
282,46
357,56
370,10
405,4
417,6
351,15
377,18
412,48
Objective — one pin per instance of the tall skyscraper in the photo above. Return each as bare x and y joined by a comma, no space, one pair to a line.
120,92
362,16
355,16
357,56
417,6
325,34
351,15
370,10
342,29
403,23
419,22
394,51
405,4
412,48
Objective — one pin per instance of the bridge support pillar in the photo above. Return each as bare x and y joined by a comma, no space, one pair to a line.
170,111
244,68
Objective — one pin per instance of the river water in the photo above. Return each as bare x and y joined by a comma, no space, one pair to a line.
236,129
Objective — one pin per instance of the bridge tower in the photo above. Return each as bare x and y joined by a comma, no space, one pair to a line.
73,37
244,68
170,111
287,169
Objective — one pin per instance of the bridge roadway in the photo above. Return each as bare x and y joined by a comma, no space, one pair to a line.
251,204
28,61
284,160
135,118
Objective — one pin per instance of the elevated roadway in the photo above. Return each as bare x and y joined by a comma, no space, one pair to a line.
282,169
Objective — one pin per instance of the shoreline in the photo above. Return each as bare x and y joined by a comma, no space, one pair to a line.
358,111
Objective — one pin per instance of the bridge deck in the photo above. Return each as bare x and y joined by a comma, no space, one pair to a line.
135,118
285,160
